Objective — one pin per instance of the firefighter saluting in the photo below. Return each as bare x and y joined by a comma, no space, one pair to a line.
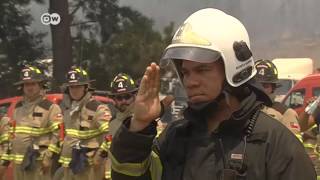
34,131
86,122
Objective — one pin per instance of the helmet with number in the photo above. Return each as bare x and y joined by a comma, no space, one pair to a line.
123,83
266,72
77,76
209,35
30,74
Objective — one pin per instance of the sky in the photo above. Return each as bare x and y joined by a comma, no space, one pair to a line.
277,28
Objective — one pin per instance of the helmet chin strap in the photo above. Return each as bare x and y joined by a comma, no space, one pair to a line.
207,107
272,96
227,97
86,90
211,106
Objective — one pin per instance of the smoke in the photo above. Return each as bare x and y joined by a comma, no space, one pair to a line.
277,28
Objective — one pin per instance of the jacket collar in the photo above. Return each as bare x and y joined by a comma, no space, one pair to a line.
235,124
68,103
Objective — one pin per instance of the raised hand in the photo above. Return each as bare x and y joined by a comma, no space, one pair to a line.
147,104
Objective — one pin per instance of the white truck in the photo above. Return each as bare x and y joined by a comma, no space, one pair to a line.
291,70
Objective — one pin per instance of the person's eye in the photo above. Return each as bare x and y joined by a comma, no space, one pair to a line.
202,70
184,73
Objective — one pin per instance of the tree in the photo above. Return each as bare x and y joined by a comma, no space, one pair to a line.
17,43
107,38
117,39
61,42
103,27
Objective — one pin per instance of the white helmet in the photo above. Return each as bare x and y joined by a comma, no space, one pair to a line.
209,34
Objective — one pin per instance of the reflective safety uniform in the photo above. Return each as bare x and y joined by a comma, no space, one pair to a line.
310,140
4,134
286,116
86,123
4,144
105,148
187,151
34,137
115,124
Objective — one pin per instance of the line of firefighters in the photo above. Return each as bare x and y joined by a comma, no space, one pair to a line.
71,140
76,134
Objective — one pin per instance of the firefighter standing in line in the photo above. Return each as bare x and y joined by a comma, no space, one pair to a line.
224,134
4,143
86,122
123,91
34,132
267,75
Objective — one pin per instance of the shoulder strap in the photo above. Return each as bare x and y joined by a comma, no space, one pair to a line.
93,105
280,107
45,104
19,104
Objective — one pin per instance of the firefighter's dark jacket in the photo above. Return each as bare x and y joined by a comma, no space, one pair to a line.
187,152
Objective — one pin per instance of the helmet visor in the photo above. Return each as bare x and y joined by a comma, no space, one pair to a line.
170,68
196,54
171,84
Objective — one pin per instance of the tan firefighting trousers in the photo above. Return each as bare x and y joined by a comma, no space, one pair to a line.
92,173
107,172
2,172
36,174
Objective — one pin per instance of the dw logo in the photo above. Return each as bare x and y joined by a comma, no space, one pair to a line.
53,19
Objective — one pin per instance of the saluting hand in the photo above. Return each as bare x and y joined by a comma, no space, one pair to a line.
147,104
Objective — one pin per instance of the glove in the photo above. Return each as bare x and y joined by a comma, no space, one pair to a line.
79,160
46,162
30,159
98,158
4,163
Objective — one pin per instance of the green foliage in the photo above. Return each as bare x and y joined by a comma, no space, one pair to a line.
17,43
117,39
107,39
